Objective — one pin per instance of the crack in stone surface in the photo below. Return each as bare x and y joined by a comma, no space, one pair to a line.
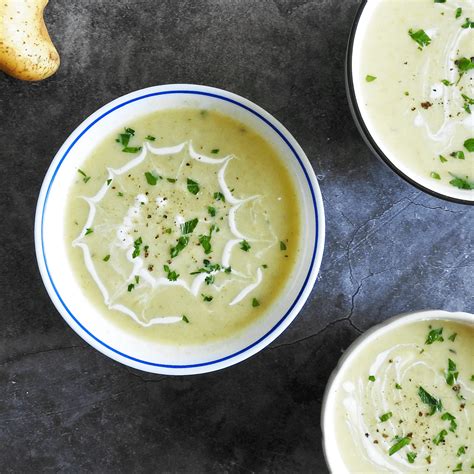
42,351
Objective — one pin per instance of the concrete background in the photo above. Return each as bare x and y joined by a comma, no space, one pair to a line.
66,408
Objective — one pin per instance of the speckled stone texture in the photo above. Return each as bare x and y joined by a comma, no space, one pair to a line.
66,408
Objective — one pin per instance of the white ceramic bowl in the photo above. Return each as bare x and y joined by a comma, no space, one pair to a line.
329,406
354,83
86,320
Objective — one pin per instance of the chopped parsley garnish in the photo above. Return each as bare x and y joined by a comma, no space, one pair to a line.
130,131
434,404
184,318
189,226
452,421
461,450
85,177
151,178
211,210
447,83
208,268
168,231
434,335
228,270
132,149
209,279
453,336
400,443
106,258
171,274
458,467
386,416
264,265
440,1
206,297
171,180
442,159
411,456
458,155
120,194
435,175
458,13
245,246
205,240
193,187
439,438
89,230
464,65
136,247
218,196
398,386
420,37
130,287
109,181
468,24
215,151
370,78
282,245
255,303
150,137
372,378
467,103
469,145
472,378
460,183
137,279
181,244
452,373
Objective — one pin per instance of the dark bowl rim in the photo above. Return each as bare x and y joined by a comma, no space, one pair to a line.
362,127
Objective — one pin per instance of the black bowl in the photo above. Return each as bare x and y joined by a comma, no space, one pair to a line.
361,125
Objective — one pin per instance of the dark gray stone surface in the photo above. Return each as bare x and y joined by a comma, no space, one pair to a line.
65,407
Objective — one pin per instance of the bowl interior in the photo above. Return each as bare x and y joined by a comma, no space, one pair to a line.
330,406
356,82
85,318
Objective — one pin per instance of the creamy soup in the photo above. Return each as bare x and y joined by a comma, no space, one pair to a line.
415,78
405,403
183,227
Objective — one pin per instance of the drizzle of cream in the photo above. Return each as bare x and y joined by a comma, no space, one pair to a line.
125,240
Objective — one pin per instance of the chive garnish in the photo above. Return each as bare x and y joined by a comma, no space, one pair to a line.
400,443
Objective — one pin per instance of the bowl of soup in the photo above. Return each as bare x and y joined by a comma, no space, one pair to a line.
179,229
402,397
410,85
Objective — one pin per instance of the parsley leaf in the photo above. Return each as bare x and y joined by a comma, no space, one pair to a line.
245,246
433,403
411,457
255,302
211,210
89,230
181,244
460,183
439,438
193,187
372,378
434,335
435,175
370,78
218,196
172,275
151,179
150,137
386,416
184,318
452,373
189,226
206,297
132,149
106,258
469,145
452,421
136,247
420,37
